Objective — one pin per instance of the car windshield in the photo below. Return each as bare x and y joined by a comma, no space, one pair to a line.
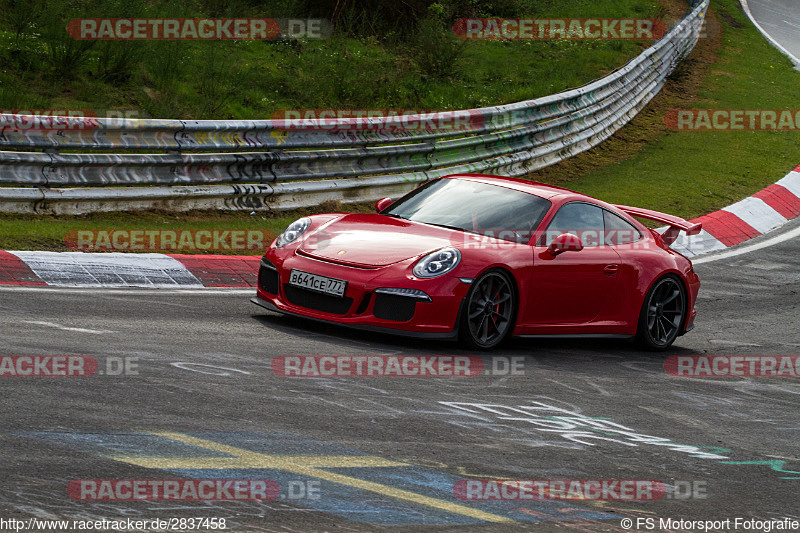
475,207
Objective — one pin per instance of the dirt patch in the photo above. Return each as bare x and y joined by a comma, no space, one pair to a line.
674,9
730,20
679,92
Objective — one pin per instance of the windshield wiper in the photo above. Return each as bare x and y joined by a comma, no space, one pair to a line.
457,228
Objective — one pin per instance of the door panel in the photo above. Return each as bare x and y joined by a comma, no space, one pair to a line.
573,287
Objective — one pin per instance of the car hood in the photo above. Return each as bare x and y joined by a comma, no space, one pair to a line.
374,240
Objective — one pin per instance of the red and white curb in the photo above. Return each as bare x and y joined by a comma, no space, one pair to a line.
744,220
752,217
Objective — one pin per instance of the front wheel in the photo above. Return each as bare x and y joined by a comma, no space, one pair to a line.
662,314
488,315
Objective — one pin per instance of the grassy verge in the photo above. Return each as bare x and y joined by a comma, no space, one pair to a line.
645,164
34,232
690,173
375,59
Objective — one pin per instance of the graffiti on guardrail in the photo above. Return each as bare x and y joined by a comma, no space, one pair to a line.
62,119
268,164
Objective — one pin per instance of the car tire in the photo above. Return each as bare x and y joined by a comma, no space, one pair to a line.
662,314
489,311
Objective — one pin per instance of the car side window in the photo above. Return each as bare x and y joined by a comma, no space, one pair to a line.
619,230
581,219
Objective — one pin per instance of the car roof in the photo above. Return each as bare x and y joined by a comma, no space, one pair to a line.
542,190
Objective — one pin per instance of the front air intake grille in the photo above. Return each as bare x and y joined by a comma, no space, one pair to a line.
317,301
396,308
362,307
268,280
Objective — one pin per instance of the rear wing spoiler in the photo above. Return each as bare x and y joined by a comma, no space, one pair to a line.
676,224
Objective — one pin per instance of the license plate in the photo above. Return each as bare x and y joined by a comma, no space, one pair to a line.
313,282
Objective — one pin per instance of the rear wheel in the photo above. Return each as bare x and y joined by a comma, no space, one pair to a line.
662,314
488,315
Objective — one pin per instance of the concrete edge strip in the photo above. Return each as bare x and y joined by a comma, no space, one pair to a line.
107,270
760,213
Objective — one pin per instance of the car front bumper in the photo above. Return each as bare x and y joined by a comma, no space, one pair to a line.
387,299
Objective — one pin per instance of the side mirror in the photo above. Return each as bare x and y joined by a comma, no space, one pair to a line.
382,204
566,242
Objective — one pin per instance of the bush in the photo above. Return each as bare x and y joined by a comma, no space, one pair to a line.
20,16
116,61
435,48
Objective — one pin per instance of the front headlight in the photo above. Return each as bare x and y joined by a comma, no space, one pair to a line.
295,229
437,263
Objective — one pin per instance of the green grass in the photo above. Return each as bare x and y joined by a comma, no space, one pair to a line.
43,68
48,232
685,173
693,173
252,80
31,232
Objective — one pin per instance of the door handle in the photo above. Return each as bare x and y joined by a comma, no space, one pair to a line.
610,270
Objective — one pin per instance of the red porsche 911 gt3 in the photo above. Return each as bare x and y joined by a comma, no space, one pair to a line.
483,257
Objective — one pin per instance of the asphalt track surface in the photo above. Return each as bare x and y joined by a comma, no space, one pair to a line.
780,19
200,401
728,446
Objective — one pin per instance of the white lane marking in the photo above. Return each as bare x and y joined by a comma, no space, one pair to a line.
772,241
600,389
188,366
129,290
67,328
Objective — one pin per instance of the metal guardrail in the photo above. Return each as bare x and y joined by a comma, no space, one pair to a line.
243,164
